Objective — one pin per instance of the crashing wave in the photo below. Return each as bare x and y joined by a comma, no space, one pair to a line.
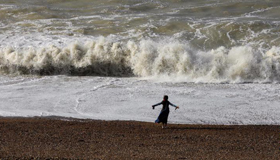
145,58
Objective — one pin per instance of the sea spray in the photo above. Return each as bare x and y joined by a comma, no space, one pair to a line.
145,58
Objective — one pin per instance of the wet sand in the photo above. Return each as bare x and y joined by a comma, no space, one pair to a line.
53,138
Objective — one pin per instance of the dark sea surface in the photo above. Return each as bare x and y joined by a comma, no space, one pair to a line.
206,40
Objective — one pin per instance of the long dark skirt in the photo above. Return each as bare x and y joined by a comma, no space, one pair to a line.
163,116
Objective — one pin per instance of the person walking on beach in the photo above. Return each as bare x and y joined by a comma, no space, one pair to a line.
163,116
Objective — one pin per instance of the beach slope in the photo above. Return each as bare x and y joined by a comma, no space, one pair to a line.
53,138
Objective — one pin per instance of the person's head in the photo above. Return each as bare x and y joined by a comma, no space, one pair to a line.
165,97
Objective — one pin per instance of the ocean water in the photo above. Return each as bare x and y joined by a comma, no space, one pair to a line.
218,60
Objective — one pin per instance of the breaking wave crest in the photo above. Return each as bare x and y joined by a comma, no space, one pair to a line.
165,59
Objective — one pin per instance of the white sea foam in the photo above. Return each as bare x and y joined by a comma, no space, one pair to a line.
147,58
132,98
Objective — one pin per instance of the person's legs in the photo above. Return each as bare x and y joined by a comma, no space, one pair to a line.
164,125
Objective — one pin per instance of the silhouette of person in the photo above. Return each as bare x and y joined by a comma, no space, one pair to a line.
163,116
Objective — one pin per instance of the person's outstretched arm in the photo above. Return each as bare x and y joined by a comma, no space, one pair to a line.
176,107
156,105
